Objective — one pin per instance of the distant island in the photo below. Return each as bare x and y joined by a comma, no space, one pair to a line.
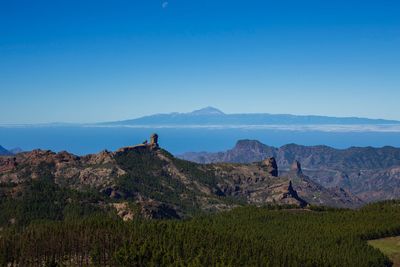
212,116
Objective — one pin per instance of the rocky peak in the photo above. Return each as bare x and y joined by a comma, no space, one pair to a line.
64,156
292,194
38,156
153,145
248,144
207,111
296,168
271,166
154,140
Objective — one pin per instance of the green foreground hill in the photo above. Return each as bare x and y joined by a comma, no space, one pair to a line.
247,236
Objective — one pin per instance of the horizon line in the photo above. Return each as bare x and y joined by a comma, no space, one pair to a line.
193,112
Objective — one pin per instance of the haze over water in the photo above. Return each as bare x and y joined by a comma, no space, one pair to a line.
85,140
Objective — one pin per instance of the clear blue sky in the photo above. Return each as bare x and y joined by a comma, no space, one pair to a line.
87,61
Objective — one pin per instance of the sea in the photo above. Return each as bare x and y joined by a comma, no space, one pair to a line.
87,140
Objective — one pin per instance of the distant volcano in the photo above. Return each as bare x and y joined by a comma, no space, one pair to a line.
213,116
207,111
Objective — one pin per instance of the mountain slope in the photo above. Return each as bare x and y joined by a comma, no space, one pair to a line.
147,181
371,173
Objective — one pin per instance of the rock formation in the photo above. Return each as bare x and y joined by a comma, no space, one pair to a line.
144,145
296,168
154,140
7,164
293,196
271,166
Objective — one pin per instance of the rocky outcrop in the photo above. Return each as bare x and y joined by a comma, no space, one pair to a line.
96,171
147,209
271,166
154,140
124,210
291,196
8,164
296,168
157,210
153,145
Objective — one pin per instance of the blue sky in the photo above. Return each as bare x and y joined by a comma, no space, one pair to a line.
88,61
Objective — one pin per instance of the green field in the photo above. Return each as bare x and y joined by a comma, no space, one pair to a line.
390,247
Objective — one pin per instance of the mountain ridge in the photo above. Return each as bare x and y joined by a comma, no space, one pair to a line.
159,185
370,173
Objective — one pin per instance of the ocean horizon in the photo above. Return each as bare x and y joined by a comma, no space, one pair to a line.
87,140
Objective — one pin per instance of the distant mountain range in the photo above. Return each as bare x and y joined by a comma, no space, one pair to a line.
5,152
370,173
211,116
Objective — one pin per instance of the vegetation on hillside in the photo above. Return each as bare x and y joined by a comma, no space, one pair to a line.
43,199
247,236
147,175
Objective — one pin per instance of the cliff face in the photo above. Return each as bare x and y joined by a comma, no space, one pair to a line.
370,173
160,185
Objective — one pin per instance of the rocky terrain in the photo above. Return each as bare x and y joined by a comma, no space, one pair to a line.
372,174
147,181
